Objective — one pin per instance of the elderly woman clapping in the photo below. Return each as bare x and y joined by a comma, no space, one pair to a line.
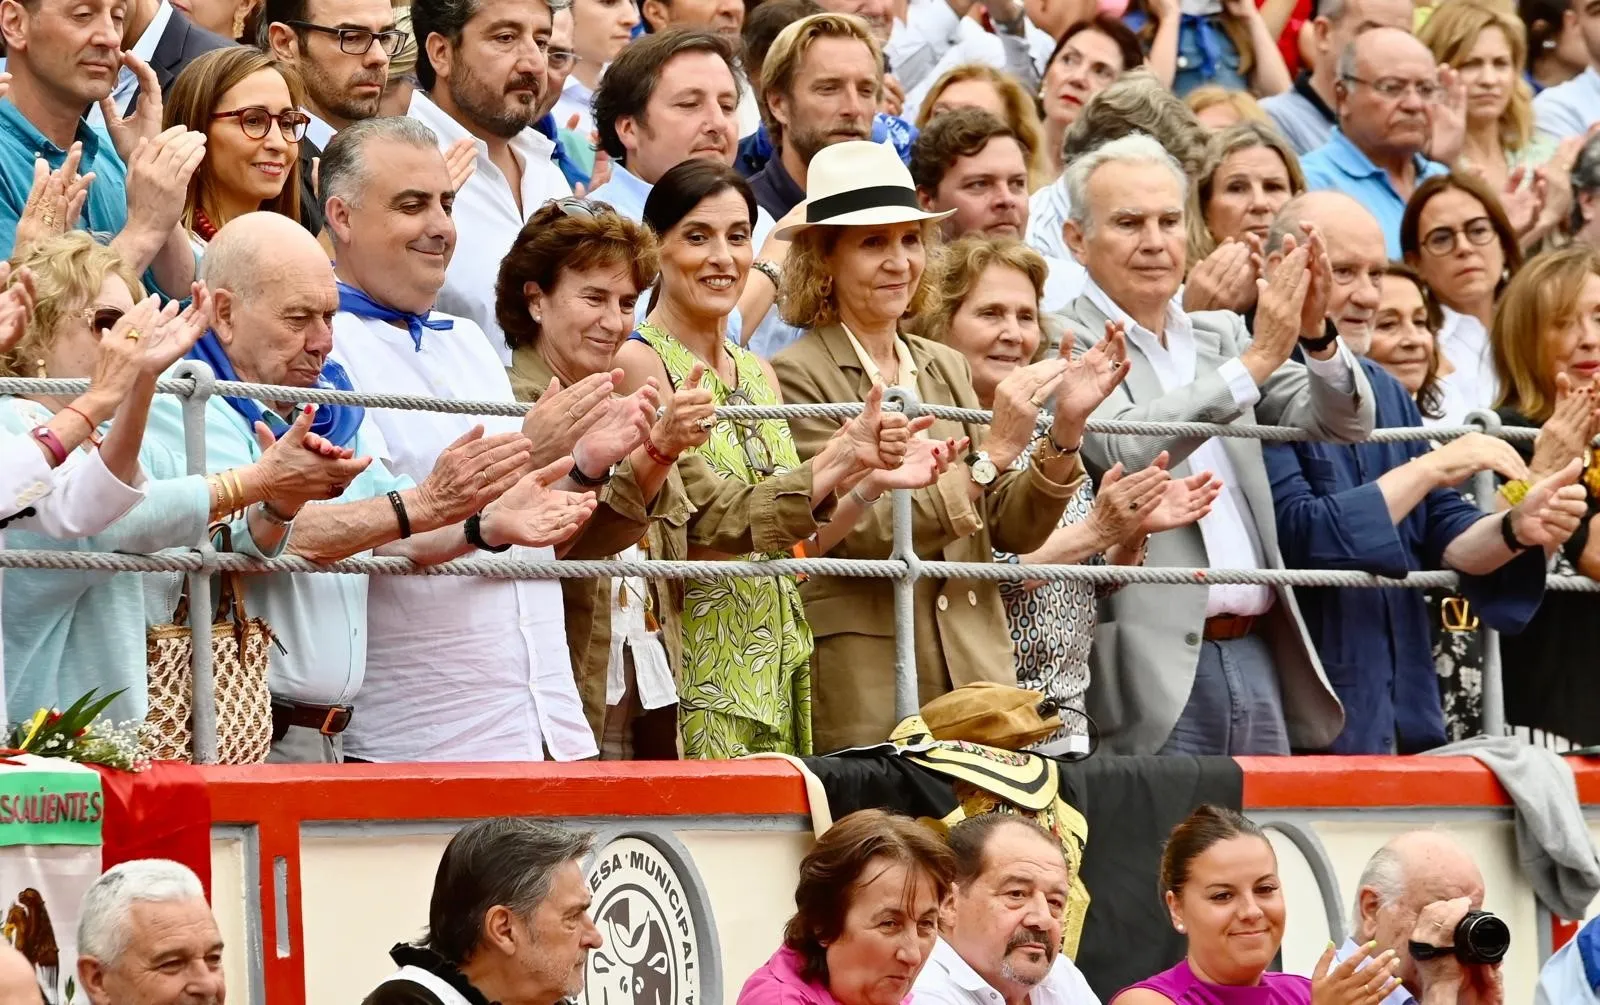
854,271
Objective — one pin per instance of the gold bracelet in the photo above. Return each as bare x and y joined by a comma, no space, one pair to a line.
237,507
1515,490
214,485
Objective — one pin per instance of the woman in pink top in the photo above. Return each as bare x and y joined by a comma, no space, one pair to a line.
1222,889
866,916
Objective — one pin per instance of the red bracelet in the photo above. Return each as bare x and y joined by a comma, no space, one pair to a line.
94,437
52,443
656,454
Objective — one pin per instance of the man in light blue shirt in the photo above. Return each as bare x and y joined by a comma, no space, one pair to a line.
1418,887
1388,99
1570,108
1572,974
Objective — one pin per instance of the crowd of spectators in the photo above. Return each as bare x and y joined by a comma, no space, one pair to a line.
1339,217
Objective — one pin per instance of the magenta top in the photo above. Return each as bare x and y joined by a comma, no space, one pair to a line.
779,982
1184,988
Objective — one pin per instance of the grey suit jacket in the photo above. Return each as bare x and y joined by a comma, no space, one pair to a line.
1148,640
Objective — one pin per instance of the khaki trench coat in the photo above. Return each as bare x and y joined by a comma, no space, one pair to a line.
961,630
695,507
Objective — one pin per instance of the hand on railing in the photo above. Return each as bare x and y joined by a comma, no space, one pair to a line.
879,440
300,466
470,473
1552,510
563,414
534,514
1458,460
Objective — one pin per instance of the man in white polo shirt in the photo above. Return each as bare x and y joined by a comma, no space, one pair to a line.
486,658
1010,905
487,86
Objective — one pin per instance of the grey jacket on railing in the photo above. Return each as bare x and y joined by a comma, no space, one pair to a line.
1148,640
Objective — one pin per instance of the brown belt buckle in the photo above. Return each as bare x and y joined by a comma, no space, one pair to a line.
1455,615
327,722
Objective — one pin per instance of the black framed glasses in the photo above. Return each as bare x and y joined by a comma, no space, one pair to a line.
255,121
1440,241
560,60
1394,88
356,41
756,452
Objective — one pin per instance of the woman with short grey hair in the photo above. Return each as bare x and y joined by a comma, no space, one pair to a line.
1584,224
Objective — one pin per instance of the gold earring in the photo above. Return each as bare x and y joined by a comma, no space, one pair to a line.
40,364
827,287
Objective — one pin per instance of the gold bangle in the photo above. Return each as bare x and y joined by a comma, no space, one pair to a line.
214,486
237,507
1515,490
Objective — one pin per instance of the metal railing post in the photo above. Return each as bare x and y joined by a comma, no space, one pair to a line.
906,698
1494,695
203,704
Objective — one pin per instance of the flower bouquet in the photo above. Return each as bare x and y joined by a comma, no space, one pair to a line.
79,734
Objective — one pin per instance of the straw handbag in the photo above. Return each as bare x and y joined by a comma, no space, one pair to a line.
239,645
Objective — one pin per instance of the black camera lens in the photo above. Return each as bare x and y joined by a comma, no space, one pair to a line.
1482,938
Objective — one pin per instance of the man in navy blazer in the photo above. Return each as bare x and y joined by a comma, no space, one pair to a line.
164,37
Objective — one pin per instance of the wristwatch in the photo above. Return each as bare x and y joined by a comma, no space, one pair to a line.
1508,534
579,478
1329,333
473,529
770,270
983,470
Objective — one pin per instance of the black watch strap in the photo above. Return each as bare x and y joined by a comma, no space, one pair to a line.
474,531
579,478
1329,333
1508,534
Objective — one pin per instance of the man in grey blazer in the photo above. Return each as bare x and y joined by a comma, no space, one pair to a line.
1197,669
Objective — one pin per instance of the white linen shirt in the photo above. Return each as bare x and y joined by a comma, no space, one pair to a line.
487,216
458,668
1230,535
947,979
78,499
1473,385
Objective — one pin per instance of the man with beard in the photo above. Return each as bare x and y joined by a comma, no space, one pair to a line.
1388,99
820,85
508,922
969,163
482,69
341,49
1001,939
146,936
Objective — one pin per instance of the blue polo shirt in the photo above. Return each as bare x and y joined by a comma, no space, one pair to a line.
1339,165
105,211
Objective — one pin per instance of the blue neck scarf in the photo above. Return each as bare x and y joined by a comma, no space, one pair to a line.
335,423
353,301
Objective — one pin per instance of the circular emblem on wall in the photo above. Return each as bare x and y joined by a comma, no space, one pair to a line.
651,912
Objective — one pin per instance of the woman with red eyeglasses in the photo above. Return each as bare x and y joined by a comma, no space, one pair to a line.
248,106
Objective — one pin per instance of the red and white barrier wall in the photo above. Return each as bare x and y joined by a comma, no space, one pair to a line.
318,870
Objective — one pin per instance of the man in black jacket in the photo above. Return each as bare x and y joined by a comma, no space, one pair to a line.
164,37
509,921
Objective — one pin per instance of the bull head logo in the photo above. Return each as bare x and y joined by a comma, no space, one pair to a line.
634,967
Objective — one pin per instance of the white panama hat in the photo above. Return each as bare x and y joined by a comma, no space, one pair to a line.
859,183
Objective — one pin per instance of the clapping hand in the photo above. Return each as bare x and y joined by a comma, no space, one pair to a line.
176,332
1225,280
16,305
1280,304
1448,117
563,414
54,202
301,466
1185,501
469,474
534,514
625,424
1126,501
1570,428
1088,380
1552,510
925,462
460,159
1523,199
1350,983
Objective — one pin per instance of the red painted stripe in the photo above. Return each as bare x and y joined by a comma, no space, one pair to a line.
1368,782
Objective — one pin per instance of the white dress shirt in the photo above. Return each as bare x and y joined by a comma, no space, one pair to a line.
318,131
127,84
948,980
78,499
1464,341
577,98
487,216
486,658
1228,531
1063,283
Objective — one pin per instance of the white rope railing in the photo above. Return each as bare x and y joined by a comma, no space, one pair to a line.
196,385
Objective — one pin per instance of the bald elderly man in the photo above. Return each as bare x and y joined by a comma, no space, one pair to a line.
1418,887
273,302
1393,508
1388,99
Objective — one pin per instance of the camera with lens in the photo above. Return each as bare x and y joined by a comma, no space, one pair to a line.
1480,938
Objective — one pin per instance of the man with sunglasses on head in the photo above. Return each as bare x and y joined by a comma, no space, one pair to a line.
341,49
482,67
1394,118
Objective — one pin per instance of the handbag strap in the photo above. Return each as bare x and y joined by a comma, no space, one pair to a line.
230,597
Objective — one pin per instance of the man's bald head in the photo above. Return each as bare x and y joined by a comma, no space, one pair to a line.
1413,870
1386,127
274,298
18,986
1356,255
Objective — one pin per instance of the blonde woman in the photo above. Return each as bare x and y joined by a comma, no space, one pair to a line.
1248,175
1217,108
977,86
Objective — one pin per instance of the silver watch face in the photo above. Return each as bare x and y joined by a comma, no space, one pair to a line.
983,470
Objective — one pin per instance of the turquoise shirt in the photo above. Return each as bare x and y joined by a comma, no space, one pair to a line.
105,211
1340,165
71,630
320,619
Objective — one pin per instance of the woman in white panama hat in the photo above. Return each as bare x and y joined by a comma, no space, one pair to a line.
854,272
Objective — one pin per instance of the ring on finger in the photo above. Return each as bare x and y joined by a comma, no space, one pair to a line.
707,423
135,334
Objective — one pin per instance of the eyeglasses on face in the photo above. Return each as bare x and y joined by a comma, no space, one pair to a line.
1395,88
255,121
356,41
560,60
1442,240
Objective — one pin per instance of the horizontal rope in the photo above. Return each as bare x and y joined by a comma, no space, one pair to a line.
185,388
194,561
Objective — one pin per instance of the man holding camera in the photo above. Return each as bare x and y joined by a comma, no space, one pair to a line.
1414,896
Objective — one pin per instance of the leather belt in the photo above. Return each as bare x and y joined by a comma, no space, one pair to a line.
329,720
1227,627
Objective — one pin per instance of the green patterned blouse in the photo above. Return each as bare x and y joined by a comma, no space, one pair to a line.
746,685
